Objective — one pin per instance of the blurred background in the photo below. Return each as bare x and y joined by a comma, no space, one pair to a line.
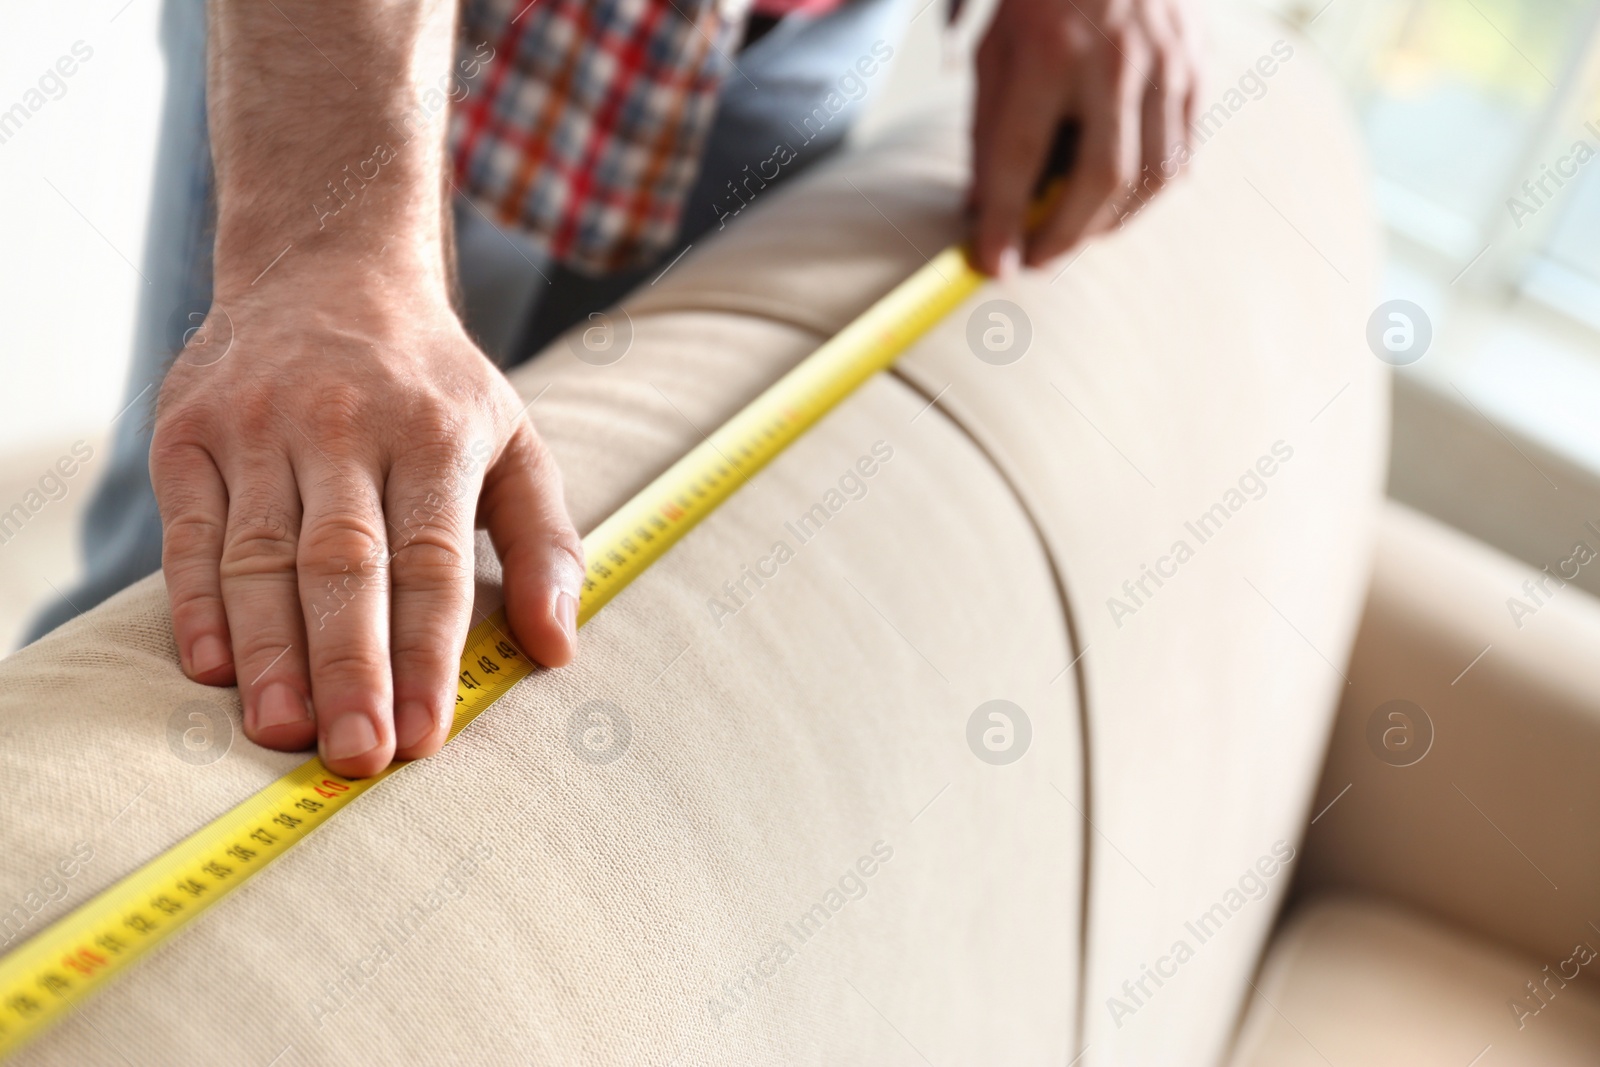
1482,120
1482,123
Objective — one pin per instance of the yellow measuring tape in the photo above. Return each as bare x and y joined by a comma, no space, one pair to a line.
81,952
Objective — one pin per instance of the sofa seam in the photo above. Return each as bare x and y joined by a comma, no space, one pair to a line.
1078,668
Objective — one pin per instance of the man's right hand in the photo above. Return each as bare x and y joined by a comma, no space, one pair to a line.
318,487
319,483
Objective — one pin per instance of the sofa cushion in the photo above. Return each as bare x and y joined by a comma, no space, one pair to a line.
1355,981
1490,665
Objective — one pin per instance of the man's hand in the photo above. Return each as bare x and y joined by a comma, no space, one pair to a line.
326,442
1125,70
318,487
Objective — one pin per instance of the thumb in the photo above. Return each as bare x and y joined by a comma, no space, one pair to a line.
540,553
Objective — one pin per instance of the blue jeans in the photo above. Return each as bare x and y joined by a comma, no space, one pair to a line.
515,300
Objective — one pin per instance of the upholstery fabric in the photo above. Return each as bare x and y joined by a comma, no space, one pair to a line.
619,902
1491,828
1472,823
560,910
1352,980
1164,365
622,904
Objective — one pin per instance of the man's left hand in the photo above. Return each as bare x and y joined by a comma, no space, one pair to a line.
1125,71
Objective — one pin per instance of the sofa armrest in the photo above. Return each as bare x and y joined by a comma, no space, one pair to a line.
1493,825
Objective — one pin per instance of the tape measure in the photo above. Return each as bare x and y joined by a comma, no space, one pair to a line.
62,965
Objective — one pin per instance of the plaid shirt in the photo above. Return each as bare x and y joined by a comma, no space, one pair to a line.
585,121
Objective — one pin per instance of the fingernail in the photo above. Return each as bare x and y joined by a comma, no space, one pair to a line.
351,735
208,653
413,723
1010,262
567,615
280,705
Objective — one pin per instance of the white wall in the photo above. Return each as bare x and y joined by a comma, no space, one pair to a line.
67,297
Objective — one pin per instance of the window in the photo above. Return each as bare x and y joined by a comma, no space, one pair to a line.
1482,118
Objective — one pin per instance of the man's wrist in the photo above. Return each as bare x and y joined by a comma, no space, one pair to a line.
377,288
402,259
392,221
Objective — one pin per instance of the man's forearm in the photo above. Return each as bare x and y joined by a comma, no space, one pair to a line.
327,127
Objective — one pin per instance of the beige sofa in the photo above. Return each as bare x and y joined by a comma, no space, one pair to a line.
1449,908
783,831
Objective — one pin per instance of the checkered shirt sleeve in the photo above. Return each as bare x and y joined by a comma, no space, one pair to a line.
584,120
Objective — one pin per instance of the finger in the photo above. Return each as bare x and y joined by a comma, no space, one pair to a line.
1191,108
990,65
258,587
1159,127
1195,81
429,502
1109,101
1173,76
194,514
526,514
344,597
1189,32
1023,126
1179,93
